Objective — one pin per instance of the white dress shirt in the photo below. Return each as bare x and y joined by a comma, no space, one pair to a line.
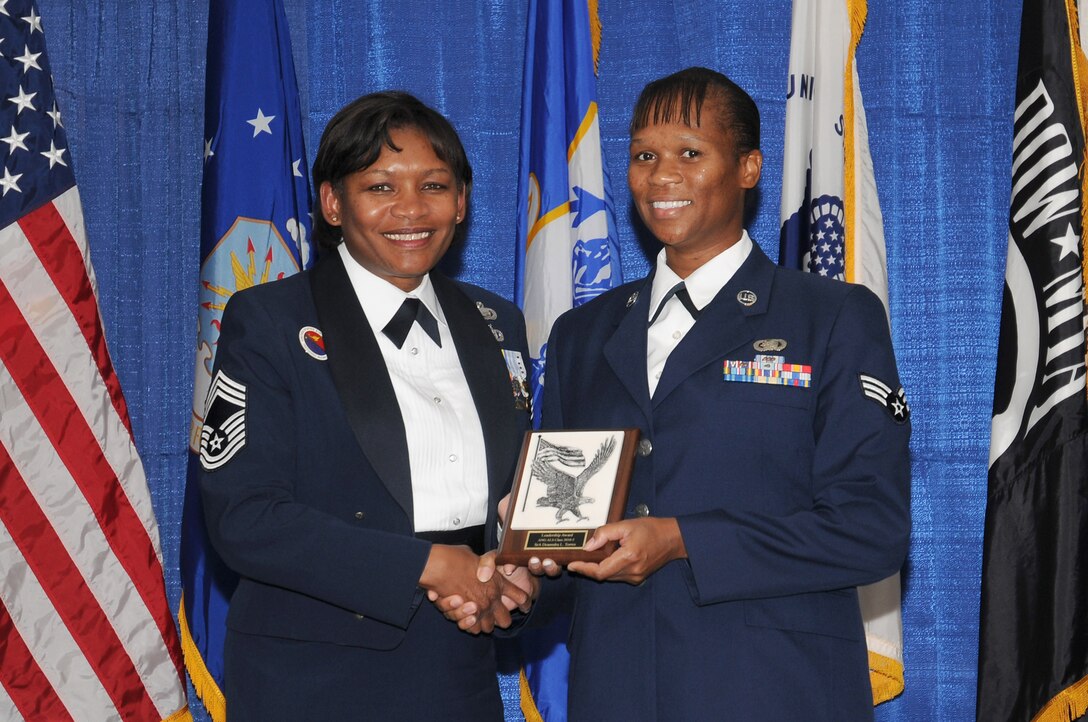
674,321
445,438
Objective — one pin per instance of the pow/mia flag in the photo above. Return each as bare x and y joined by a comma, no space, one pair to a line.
1033,631
224,431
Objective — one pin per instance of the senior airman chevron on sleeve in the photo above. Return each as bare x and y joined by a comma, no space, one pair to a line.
880,392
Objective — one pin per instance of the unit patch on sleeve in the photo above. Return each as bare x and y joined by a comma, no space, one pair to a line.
895,403
224,432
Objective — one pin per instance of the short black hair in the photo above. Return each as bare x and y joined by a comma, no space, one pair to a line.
353,140
679,98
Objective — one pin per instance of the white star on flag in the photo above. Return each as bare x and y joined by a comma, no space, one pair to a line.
15,140
295,170
1069,243
23,101
261,123
83,594
10,182
54,155
208,152
33,20
29,59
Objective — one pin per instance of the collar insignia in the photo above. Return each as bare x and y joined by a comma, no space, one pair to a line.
488,313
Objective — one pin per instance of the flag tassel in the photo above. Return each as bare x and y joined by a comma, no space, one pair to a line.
856,10
1080,85
528,705
885,677
203,681
1068,705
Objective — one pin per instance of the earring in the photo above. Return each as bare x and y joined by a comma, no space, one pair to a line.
335,219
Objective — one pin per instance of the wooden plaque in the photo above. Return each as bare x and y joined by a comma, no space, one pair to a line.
568,483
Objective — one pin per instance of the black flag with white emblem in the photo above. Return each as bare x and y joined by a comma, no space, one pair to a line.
1033,632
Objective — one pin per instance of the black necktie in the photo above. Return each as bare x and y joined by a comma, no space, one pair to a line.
411,311
682,295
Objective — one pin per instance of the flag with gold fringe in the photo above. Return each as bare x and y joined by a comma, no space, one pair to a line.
832,225
1033,628
254,228
567,247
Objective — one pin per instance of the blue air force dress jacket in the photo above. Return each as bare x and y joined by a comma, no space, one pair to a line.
307,492
777,436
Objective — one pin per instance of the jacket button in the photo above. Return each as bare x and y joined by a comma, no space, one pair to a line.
642,510
645,447
360,515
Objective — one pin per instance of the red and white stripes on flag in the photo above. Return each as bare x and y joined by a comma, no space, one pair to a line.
87,630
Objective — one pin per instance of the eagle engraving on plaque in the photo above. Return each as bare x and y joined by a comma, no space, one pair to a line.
564,488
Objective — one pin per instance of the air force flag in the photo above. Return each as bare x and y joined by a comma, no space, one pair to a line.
567,250
254,228
831,225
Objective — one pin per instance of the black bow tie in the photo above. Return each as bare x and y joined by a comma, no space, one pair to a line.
411,311
681,293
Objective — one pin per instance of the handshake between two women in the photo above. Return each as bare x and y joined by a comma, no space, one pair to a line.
470,591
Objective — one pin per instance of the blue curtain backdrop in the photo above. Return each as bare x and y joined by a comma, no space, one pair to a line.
938,84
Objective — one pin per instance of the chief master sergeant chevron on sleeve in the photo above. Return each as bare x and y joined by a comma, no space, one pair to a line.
365,418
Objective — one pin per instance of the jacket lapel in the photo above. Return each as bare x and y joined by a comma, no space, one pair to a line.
724,324
487,378
625,350
361,379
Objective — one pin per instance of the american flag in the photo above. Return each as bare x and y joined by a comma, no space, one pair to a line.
548,452
87,632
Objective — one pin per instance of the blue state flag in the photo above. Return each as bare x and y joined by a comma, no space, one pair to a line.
567,247
255,228
568,250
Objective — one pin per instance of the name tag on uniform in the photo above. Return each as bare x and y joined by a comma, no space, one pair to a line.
767,369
